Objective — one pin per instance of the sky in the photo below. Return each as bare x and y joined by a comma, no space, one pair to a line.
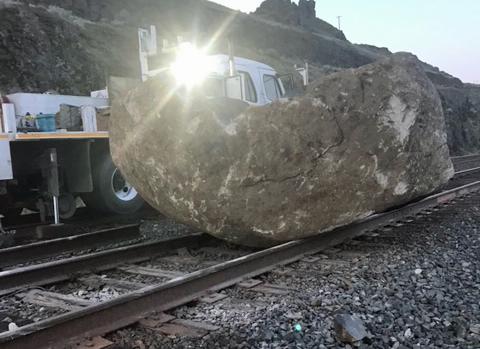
444,33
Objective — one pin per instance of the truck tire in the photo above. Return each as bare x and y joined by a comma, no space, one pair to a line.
111,193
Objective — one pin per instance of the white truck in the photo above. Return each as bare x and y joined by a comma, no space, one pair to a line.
48,171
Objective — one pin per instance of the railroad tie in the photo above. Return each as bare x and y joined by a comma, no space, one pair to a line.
160,273
94,343
98,281
156,320
54,300
249,283
272,289
170,326
212,298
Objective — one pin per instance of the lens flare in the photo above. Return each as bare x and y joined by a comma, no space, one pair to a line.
192,66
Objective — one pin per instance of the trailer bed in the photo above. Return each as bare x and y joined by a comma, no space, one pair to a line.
31,136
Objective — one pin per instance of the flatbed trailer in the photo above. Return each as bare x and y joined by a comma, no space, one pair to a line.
49,172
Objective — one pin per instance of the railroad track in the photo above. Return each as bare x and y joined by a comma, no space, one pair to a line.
156,264
465,162
43,249
64,269
27,228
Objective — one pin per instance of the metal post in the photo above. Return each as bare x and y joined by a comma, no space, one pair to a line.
307,74
231,58
304,72
56,213
53,185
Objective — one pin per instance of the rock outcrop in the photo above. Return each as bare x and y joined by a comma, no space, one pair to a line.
302,15
73,46
360,141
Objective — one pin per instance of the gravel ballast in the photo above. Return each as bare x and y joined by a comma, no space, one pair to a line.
413,286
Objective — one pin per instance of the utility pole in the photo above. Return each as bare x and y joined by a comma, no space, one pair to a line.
339,18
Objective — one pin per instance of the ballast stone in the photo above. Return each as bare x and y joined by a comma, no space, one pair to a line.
359,141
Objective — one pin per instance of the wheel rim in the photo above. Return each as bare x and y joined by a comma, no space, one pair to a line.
121,188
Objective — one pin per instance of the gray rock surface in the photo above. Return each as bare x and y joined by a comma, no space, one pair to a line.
360,141
461,104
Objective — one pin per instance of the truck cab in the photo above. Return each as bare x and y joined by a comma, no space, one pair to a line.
220,75
256,83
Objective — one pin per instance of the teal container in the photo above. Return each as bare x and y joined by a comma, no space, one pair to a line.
46,122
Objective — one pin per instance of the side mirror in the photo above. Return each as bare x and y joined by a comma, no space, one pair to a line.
233,87
287,82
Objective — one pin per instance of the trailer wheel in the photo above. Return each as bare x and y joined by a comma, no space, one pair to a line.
67,205
112,193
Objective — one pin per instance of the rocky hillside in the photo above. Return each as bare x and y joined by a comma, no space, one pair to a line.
462,113
71,46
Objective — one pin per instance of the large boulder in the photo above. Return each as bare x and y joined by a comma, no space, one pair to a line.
360,141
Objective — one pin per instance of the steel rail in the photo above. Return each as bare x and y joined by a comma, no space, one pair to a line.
466,162
74,226
454,158
125,310
38,250
466,172
64,269
465,159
